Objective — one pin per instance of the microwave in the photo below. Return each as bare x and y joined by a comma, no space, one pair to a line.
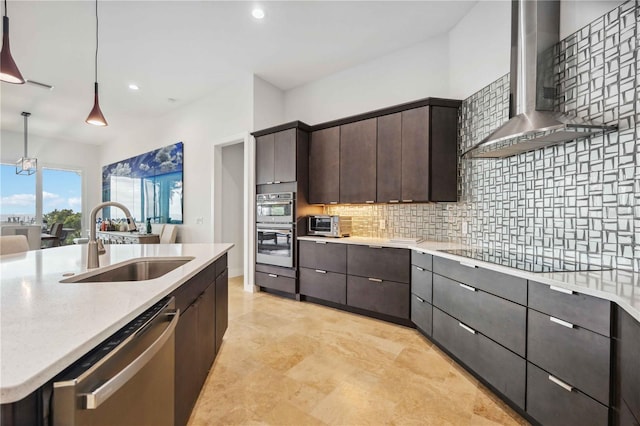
329,226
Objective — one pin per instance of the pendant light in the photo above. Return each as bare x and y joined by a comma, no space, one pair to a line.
95,116
26,165
9,71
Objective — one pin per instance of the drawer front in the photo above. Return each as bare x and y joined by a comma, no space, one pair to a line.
325,256
501,320
625,416
221,265
503,285
586,311
421,314
552,405
628,359
324,285
576,355
188,292
421,282
422,260
385,263
502,368
386,297
276,282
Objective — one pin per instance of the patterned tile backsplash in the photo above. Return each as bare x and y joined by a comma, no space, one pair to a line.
579,200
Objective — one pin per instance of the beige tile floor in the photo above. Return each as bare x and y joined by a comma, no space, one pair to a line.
295,363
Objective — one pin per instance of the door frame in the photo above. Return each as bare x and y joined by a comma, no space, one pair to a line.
248,204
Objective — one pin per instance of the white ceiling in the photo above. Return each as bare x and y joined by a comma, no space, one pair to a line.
185,49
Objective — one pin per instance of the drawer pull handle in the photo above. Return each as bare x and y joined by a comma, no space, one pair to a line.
467,287
407,201
375,280
277,181
560,383
420,299
468,265
269,183
561,322
320,271
420,269
321,242
333,202
369,201
561,290
375,247
394,201
273,275
466,327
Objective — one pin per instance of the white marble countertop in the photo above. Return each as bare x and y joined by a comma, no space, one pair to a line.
46,325
618,286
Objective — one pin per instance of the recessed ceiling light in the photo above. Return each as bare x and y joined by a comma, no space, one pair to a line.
134,87
257,13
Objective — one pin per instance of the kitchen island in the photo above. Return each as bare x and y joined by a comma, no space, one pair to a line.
46,325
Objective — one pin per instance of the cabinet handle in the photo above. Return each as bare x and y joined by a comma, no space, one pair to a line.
420,269
561,290
277,181
394,201
273,275
333,202
321,242
467,287
369,202
466,327
560,383
269,183
561,322
375,247
420,299
407,201
468,265
375,280
320,271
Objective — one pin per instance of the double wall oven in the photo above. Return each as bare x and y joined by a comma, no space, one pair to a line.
275,229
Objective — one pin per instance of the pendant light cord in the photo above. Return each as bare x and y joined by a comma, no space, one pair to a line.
96,61
5,7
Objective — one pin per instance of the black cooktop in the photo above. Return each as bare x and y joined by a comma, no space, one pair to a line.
525,261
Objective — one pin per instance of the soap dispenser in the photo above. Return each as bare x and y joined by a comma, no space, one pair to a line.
148,225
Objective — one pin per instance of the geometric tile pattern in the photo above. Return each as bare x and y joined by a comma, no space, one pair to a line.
579,200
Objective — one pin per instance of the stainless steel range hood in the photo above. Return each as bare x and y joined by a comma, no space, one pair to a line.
535,29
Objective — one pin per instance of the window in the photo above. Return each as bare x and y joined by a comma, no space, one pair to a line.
18,194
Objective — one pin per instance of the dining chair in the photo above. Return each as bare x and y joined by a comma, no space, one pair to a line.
169,233
53,236
10,244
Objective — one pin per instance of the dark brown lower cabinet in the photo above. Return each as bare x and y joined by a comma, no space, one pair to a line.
384,297
276,282
222,307
188,370
323,285
498,366
558,404
422,314
627,375
207,328
625,416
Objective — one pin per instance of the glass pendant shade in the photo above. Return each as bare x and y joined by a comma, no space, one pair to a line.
26,166
9,71
95,116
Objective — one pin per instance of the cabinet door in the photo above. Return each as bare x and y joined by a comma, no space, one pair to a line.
386,263
389,158
222,307
415,154
628,361
385,297
443,142
320,255
265,147
187,368
358,162
323,285
207,329
285,156
324,166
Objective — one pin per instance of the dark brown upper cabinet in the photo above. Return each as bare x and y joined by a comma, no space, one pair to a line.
389,158
324,166
358,162
276,157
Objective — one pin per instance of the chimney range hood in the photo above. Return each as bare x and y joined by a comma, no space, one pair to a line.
535,29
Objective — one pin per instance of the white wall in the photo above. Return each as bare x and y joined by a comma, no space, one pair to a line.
409,74
233,204
62,154
479,48
268,104
227,111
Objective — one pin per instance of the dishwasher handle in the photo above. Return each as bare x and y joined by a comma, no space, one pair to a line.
92,400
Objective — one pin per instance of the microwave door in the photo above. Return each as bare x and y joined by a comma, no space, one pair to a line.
320,224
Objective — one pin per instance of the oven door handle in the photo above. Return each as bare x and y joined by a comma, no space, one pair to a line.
274,203
275,231
93,400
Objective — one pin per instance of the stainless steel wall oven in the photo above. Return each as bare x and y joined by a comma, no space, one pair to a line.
275,229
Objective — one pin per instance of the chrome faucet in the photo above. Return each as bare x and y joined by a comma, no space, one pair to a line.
96,248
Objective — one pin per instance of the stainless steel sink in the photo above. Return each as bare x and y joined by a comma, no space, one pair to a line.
133,270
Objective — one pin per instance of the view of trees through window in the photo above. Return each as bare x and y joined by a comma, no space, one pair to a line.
61,199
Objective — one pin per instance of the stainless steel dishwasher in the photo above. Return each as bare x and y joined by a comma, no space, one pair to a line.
127,380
